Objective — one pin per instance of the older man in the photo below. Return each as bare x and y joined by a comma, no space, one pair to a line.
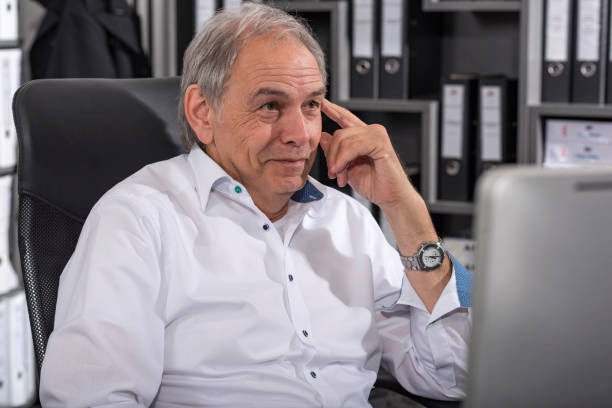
227,277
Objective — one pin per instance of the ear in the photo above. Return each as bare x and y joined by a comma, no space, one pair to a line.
199,114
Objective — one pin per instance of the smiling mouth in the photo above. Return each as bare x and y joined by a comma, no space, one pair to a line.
290,160
291,163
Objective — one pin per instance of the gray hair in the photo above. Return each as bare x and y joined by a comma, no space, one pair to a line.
211,54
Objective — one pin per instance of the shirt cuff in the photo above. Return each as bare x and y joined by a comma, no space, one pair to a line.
456,294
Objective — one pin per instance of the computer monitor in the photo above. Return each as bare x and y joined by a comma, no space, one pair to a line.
542,301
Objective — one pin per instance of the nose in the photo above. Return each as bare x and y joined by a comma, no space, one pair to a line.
295,128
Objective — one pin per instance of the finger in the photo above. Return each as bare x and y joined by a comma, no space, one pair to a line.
352,149
343,178
342,116
325,141
344,139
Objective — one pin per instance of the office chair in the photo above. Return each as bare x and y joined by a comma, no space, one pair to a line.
78,138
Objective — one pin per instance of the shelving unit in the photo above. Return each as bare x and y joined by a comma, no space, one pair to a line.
480,37
531,135
471,5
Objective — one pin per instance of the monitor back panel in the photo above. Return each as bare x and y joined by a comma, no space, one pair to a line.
542,333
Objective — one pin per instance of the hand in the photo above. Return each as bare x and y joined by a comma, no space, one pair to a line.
362,156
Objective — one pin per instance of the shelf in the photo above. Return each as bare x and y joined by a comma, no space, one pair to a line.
9,44
451,207
473,5
387,105
7,171
572,110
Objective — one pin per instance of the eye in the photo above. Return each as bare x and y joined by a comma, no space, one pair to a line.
313,104
269,106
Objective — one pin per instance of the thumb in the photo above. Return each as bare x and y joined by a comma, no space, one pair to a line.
325,142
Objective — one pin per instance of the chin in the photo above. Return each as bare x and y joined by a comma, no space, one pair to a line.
288,185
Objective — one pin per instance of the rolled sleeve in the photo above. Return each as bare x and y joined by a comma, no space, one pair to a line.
427,353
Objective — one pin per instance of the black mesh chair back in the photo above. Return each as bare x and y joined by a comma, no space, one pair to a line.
77,138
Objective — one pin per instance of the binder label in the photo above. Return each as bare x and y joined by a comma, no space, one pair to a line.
557,30
589,26
490,123
10,71
8,20
452,121
392,28
363,28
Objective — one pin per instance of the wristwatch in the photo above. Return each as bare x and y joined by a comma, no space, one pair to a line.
429,257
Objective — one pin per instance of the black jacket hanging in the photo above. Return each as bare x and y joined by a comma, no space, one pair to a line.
88,38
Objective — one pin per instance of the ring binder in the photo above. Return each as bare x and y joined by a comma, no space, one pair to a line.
557,51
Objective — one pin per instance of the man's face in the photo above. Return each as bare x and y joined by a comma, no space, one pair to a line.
270,122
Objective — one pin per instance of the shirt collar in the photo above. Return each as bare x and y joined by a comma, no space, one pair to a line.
207,173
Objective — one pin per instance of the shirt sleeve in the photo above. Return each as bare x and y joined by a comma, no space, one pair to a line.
107,345
426,353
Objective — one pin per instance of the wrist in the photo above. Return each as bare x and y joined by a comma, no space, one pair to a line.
411,225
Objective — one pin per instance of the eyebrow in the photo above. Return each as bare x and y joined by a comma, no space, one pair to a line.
282,94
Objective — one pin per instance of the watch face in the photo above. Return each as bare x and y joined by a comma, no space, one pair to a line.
432,256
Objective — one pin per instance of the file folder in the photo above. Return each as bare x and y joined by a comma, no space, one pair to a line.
10,75
457,117
4,353
364,65
8,277
591,39
577,143
557,51
8,20
496,122
609,55
19,374
204,11
393,50
231,4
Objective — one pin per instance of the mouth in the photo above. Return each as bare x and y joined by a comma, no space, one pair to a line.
291,163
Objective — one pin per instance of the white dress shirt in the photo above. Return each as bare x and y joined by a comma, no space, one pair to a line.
181,292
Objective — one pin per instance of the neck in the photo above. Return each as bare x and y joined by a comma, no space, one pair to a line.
275,215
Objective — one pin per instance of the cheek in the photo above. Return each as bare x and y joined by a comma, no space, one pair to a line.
315,133
256,139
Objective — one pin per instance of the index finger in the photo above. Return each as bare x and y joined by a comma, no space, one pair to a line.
342,116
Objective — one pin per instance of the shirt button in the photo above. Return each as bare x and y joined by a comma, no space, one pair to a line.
305,333
290,278
313,374
266,227
237,189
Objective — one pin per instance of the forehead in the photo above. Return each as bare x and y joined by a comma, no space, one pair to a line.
268,61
